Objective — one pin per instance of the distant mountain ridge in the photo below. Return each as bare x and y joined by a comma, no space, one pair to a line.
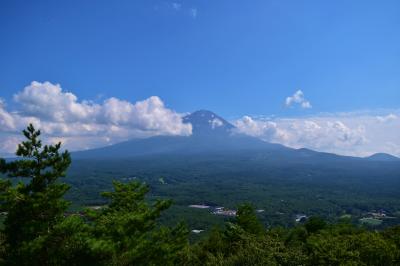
212,134
384,157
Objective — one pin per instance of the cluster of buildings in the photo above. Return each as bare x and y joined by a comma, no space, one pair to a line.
215,210
219,210
380,214
223,211
300,218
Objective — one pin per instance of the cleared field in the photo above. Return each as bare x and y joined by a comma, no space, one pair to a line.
370,221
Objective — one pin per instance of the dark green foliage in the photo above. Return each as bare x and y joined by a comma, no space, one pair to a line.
335,247
233,245
341,244
126,231
393,233
37,231
67,244
315,224
246,218
281,188
34,207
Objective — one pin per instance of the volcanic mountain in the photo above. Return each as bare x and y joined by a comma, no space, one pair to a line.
213,135
210,133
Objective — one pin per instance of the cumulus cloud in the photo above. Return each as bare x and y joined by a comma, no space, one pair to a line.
267,130
6,120
346,134
48,102
298,98
8,144
86,124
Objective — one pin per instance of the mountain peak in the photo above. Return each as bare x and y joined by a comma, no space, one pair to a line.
205,122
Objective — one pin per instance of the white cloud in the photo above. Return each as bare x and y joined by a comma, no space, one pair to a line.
346,134
387,118
216,123
267,130
48,102
86,124
298,98
6,120
8,144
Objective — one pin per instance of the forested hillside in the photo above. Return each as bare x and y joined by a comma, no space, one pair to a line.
217,166
38,229
281,188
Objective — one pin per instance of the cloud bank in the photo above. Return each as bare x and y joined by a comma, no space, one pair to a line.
84,124
354,134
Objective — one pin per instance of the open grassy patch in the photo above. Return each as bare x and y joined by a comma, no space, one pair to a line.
370,221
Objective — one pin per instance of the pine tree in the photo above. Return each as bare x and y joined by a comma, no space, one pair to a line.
35,204
36,232
247,219
126,232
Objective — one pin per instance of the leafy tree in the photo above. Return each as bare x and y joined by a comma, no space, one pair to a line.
315,224
330,247
36,231
247,219
126,231
393,234
35,205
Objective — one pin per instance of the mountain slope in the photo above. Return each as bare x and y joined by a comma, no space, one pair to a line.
383,157
213,135
207,124
210,134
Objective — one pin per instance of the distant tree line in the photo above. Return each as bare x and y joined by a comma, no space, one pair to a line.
38,231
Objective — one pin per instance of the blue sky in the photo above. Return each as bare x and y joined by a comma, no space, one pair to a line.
235,58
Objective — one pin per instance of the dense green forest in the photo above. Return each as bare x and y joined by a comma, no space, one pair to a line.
282,189
131,225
